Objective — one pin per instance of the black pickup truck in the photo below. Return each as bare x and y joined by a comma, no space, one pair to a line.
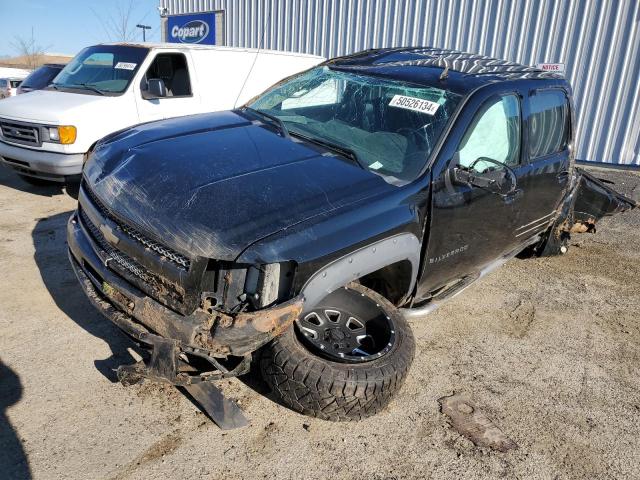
303,229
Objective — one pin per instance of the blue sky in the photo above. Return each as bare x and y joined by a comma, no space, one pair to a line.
66,26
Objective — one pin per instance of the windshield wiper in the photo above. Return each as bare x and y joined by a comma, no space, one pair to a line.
273,119
339,149
85,86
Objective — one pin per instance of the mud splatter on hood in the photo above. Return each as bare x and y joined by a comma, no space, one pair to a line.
211,185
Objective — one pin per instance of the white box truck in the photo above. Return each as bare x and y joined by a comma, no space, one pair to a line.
46,135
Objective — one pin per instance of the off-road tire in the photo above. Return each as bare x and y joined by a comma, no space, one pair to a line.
330,390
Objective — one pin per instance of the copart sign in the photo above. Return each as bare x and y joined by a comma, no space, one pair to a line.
198,28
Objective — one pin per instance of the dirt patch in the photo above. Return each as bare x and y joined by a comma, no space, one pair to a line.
155,452
468,420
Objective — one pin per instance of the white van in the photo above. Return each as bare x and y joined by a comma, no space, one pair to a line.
45,135
9,86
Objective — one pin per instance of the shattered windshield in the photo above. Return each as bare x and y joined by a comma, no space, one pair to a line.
389,127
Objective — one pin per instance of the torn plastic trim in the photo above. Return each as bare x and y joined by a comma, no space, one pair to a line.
586,201
594,200
361,262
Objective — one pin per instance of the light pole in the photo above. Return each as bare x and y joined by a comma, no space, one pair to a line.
144,29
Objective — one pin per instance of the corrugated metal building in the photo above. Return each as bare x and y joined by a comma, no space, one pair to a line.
598,40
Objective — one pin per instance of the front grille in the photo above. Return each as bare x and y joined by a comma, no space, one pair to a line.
152,281
167,253
19,132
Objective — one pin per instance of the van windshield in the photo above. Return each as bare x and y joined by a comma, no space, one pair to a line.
101,70
386,126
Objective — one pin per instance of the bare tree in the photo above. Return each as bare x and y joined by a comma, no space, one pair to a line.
27,48
118,24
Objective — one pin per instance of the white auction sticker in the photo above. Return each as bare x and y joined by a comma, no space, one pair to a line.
126,66
415,104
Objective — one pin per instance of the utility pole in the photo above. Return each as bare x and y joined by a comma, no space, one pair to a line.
144,29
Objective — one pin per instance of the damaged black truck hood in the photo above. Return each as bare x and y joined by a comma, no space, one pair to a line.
211,185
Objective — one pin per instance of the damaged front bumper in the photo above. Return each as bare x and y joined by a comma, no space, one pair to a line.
215,337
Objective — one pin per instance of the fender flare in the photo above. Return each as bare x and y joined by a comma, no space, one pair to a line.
365,260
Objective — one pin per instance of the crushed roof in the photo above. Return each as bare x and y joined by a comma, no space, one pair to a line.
467,64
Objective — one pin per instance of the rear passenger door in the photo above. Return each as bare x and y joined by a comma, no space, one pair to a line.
548,154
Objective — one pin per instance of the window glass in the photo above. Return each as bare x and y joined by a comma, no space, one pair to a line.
3,82
171,68
327,93
391,126
105,69
15,83
494,133
548,123
41,77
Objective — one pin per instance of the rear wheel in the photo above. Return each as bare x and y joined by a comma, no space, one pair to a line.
344,360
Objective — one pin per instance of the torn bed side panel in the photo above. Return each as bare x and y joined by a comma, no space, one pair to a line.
595,200
587,200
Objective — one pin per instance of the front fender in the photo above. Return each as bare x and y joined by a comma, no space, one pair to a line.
336,248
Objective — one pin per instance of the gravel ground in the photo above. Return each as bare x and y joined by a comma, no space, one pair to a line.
549,349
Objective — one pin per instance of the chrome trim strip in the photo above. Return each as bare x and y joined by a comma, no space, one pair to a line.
412,313
542,225
536,221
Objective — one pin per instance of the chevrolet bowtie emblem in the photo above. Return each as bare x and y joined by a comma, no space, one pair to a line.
108,234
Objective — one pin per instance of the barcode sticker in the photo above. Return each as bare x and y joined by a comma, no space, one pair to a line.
415,104
126,66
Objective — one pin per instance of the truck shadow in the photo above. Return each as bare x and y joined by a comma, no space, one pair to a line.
49,241
12,180
253,380
13,459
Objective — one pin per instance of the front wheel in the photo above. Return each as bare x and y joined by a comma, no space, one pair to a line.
344,360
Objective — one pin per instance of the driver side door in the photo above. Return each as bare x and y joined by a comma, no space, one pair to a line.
472,225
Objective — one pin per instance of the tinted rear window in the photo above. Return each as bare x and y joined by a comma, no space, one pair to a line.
548,123
41,77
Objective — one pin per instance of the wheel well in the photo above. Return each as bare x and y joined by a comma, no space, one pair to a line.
392,281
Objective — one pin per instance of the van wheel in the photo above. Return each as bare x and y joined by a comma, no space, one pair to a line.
344,360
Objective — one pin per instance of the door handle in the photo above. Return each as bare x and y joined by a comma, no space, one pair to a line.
513,196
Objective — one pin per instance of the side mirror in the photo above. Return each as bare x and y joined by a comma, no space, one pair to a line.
155,89
501,180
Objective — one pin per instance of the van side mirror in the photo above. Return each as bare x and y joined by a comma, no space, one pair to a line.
155,89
